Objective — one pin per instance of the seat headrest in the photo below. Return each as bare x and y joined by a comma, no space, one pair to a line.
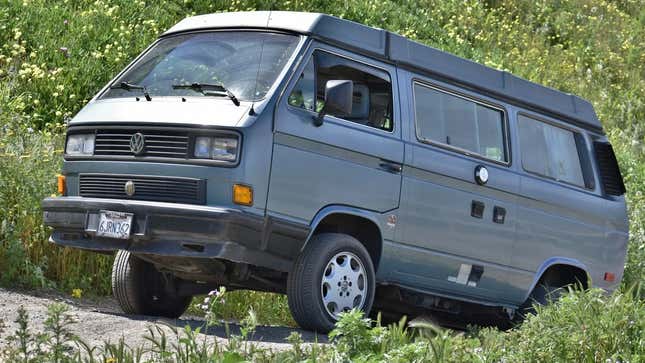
360,102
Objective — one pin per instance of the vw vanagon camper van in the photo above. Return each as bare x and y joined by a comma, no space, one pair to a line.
343,165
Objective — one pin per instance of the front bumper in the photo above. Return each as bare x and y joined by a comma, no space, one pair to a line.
183,230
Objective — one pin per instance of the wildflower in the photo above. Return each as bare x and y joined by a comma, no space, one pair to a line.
58,113
65,22
72,96
30,130
55,94
77,293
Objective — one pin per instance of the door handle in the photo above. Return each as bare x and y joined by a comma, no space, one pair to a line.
390,167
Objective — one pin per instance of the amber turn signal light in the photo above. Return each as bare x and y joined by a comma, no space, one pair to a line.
242,194
61,184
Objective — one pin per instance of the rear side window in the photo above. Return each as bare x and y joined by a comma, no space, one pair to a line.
550,151
612,181
372,98
452,120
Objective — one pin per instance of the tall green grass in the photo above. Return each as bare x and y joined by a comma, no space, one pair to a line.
584,326
54,55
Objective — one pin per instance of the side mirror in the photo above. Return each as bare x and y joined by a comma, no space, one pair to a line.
338,99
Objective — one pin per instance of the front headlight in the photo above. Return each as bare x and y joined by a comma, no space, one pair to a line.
216,148
80,144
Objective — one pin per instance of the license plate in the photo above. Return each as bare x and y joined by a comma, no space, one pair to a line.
114,224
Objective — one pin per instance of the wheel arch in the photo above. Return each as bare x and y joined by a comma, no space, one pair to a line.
563,269
360,224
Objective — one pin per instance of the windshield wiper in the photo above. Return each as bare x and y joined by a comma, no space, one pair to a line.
130,86
208,89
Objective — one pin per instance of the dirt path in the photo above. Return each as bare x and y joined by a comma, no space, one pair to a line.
101,320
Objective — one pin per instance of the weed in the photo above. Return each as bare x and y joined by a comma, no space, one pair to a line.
584,326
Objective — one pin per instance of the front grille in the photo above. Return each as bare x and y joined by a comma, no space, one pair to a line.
150,188
158,143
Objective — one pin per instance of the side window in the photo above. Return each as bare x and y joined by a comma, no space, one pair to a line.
452,120
550,151
372,99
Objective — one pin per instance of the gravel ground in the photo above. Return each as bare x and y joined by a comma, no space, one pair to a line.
99,320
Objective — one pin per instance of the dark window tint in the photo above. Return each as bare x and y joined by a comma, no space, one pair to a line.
372,101
452,120
550,151
609,172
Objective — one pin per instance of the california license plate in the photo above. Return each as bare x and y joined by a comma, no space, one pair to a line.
114,225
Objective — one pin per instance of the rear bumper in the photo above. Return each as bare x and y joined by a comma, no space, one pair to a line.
183,230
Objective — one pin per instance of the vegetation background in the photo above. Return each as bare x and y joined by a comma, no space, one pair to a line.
55,55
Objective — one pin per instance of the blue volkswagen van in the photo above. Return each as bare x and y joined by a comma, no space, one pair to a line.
343,165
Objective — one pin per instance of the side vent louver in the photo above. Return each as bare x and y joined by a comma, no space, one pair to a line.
609,171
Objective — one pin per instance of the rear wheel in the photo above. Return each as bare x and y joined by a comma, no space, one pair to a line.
542,294
333,274
142,290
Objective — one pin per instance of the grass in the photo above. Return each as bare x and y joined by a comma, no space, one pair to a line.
55,55
584,326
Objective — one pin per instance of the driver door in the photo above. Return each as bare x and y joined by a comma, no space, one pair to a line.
352,160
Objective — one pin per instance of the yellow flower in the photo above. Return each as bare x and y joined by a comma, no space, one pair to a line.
110,360
77,293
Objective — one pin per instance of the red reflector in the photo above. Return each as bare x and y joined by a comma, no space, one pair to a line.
609,276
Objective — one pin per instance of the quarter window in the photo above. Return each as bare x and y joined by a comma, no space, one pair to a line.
303,94
458,122
372,98
550,151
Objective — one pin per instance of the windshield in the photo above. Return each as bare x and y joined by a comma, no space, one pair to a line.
245,63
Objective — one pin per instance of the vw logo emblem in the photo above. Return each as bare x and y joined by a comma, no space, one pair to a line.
129,188
137,143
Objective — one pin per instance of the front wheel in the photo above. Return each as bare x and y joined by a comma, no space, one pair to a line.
333,274
142,290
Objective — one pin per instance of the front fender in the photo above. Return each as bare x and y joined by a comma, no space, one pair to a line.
376,218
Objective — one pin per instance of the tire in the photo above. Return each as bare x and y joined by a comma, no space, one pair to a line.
542,294
141,290
313,273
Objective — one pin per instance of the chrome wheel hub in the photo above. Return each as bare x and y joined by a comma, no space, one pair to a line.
344,284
